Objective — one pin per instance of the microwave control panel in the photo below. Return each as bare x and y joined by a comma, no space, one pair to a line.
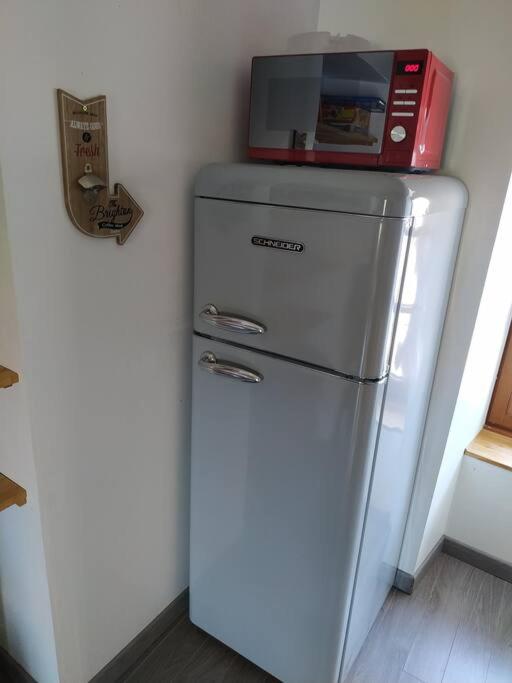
418,104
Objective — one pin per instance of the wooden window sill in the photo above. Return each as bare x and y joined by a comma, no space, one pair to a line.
493,448
11,493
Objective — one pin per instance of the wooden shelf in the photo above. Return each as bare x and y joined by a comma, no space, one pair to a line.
8,377
11,493
493,448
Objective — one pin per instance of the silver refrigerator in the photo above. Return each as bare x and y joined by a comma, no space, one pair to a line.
319,301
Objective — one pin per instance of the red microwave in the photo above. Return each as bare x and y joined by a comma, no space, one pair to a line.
384,109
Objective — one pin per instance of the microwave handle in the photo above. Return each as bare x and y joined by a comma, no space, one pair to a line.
233,323
211,364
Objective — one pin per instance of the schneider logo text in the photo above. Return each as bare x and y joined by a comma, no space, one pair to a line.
296,247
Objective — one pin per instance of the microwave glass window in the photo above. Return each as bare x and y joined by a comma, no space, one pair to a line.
349,121
331,102
292,103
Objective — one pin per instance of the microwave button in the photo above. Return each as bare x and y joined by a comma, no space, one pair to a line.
411,92
399,102
401,91
411,102
398,133
402,113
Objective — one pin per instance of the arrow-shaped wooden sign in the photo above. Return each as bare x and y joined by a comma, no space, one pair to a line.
84,150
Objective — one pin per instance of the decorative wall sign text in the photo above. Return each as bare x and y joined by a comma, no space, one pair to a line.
83,138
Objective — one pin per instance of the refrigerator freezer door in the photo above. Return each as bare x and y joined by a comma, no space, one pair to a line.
280,471
317,286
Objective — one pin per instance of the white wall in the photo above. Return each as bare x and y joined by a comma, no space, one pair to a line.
26,628
472,38
105,330
480,372
482,509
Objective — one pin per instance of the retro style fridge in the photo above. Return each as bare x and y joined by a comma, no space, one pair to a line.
319,300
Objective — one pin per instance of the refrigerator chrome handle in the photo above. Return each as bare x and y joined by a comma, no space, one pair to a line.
210,363
233,323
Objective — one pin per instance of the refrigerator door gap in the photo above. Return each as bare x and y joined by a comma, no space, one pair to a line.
300,208
321,368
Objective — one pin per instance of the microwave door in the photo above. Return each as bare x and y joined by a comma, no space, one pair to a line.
332,102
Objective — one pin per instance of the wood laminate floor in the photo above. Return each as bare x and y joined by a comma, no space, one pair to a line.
455,628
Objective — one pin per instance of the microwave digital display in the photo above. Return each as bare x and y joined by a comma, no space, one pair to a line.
409,68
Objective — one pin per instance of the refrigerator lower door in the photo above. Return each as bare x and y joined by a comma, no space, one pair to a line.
318,286
281,461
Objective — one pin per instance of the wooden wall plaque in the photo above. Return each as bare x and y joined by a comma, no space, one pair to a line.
84,150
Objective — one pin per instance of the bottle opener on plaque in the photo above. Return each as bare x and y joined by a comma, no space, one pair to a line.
91,207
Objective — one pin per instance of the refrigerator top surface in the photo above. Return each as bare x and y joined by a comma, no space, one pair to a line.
372,193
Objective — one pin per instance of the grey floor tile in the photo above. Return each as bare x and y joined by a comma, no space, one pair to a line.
430,651
476,636
455,628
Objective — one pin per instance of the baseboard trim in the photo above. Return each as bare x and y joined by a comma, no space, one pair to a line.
476,558
460,551
405,581
11,671
136,649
